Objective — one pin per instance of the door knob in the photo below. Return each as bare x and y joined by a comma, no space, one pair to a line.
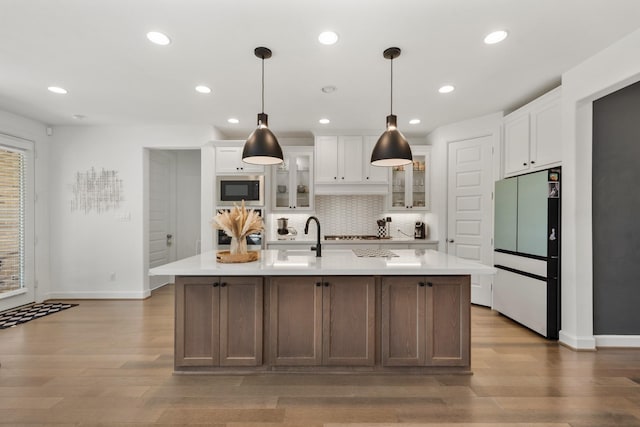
169,239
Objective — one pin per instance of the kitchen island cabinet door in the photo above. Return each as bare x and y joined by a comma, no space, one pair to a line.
295,337
448,320
197,317
403,321
348,336
241,321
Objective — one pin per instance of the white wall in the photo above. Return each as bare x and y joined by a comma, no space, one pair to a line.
87,248
22,127
609,70
440,139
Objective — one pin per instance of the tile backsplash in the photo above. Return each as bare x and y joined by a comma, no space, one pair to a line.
348,215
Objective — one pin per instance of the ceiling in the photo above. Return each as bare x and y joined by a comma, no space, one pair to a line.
98,51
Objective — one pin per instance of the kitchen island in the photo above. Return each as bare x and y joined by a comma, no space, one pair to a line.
290,311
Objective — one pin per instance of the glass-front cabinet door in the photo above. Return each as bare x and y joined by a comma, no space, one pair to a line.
293,180
410,184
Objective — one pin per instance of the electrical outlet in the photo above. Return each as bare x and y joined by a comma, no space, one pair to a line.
388,219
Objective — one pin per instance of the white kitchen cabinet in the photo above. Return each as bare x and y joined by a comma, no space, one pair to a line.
533,136
338,159
373,174
410,185
292,187
229,161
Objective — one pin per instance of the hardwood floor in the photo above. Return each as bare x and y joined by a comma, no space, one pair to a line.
109,363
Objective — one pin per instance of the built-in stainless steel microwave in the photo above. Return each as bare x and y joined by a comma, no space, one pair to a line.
237,188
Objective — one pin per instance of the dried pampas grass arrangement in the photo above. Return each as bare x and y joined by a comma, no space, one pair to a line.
238,223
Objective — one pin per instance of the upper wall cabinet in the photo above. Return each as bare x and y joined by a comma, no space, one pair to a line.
338,159
293,180
533,136
342,166
229,161
410,186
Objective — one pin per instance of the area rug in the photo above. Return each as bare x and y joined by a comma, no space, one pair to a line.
24,314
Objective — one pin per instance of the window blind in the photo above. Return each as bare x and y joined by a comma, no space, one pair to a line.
12,219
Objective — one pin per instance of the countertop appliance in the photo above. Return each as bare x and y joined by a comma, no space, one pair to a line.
235,188
284,232
420,231
527,241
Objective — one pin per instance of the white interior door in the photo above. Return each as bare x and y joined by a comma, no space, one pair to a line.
161,216
470,209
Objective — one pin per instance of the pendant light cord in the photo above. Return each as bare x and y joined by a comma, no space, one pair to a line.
263,85
391,107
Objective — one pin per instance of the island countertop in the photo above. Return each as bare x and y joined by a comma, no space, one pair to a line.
409,262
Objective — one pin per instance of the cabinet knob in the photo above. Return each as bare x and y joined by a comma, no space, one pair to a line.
367,177
422,284
216,284
326,284
533,162
223,284
343,177
451,241
318,284
430,284
335,177
524,164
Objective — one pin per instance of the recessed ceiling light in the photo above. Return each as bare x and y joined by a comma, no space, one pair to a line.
158,38
328,37
58,90
329,89
203,89
79,116
495,37
233,120
446,89
414,121
324,121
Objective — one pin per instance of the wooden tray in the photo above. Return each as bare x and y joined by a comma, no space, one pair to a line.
226,257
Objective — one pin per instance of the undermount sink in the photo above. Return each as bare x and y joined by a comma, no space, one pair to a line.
294,258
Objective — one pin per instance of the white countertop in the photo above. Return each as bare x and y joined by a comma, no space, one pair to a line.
303,240
410,262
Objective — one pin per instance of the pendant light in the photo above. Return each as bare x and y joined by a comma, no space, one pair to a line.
392,148
262,146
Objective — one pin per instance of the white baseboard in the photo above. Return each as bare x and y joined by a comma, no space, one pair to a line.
100,295
618,341
577,343
158,286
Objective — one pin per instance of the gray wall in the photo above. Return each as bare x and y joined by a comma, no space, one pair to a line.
616,212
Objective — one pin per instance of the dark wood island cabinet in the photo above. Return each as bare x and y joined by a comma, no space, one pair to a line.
338,313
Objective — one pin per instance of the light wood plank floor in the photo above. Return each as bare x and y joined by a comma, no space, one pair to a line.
109,363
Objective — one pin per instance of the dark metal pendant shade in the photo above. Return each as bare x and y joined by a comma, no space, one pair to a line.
392,148
262,147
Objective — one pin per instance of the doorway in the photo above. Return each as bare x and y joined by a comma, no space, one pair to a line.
173,217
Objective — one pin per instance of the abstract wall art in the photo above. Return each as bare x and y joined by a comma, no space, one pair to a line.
95,191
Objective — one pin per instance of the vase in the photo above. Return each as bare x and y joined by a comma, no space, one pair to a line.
238,246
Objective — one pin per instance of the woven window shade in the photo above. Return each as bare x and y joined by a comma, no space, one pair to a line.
12,194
